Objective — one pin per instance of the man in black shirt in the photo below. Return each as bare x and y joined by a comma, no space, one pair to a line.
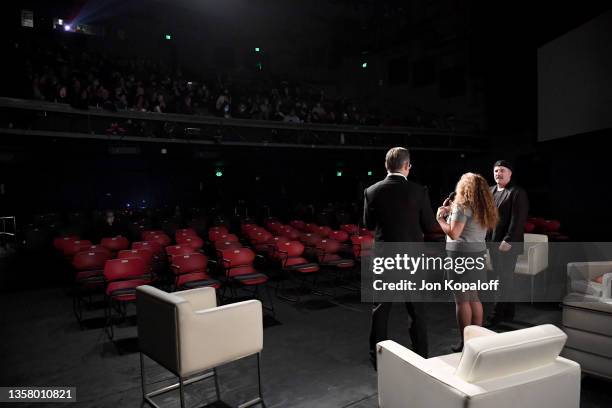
513,206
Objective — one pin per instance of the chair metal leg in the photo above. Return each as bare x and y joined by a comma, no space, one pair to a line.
182,392
263,404
269,300
259,399
142,377
217,391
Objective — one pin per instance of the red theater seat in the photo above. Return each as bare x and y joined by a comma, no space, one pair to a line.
191,271
115,244
214,232
362,245
297,224
174,250
122,276
59,242
238,265
186,231
89,278
350,229
195,243
72,247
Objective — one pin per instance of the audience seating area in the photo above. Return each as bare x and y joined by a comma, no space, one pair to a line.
294,258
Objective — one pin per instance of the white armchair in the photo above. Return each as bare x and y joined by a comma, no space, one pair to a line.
534,258
521,368
188,334
587,317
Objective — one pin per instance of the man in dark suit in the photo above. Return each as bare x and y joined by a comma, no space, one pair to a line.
399,211
513,206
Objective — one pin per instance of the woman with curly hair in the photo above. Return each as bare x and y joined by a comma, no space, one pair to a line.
465,221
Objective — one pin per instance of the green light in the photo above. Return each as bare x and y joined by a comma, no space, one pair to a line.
257,49
364,65
259,66
219,173
168,37
369,172
339,173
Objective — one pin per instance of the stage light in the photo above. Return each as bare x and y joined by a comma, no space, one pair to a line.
67,27
364,65
60,21
339,173
257,49
168,37
164,151
370,172
219,173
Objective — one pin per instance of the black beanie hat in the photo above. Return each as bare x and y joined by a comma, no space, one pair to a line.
504,163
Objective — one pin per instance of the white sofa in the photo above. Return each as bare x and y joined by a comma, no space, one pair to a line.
587,317
189,335
521,368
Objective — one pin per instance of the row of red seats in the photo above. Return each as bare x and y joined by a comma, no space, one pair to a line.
551,228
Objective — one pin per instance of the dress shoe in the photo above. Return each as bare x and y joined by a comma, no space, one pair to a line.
493,321
373,361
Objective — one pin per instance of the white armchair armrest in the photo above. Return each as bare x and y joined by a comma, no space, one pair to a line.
214,336
407,379
607,285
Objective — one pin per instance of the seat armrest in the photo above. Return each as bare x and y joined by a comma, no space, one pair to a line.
607,285
538,257
406,376
588,270
471,332
218,335
199,298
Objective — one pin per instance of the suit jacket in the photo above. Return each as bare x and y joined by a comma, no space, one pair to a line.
399,210
513,209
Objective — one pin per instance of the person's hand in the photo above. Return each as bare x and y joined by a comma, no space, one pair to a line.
447,202
504,246
442,212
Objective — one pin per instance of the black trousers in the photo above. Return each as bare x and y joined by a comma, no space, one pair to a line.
504,264
418,328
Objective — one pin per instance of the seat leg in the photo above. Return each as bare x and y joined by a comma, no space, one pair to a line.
217,391
108,312
263,404
269,300
182,392
142,377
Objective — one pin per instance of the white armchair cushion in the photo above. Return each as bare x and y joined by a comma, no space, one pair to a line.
582,275
488,357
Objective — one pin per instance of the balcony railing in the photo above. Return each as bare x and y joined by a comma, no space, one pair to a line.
47,119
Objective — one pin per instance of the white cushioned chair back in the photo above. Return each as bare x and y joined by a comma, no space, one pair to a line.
588,270
508,353
238,329
158,325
